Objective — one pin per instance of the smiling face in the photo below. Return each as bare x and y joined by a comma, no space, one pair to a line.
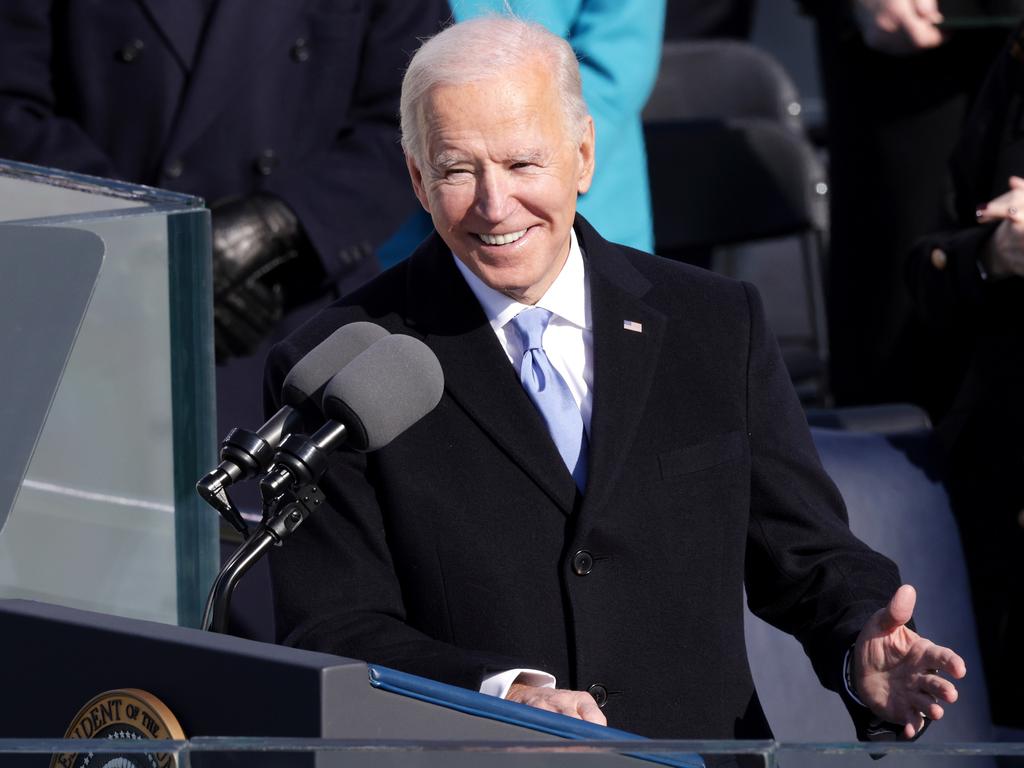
501,172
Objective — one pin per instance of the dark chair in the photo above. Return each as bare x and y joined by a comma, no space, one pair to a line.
721,79
731,173
719,184
898,505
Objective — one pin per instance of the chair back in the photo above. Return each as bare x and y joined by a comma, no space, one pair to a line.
722,182
722,79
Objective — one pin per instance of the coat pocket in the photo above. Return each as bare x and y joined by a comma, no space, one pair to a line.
704,455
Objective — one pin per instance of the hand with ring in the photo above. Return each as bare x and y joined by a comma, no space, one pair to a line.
1004,255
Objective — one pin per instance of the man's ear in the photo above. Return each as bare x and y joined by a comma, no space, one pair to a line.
586,150
416,176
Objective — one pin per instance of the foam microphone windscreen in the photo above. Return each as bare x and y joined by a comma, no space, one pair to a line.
384,391
307,379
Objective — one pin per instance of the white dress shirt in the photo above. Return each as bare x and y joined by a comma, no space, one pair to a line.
569,344
569,338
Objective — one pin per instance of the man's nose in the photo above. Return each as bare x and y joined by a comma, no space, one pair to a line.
494,198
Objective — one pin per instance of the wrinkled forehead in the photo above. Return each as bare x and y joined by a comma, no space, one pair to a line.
521,111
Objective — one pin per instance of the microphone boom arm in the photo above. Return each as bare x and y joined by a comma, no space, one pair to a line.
276,527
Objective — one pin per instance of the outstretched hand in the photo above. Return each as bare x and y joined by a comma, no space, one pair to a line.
897,673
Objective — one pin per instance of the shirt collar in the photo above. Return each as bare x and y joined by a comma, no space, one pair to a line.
566,298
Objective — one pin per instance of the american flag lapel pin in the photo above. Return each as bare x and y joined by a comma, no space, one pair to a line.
633,325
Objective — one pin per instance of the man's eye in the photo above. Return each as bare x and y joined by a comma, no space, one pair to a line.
455,172
523,164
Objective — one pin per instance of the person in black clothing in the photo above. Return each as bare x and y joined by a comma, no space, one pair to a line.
898,85
967,284
282,116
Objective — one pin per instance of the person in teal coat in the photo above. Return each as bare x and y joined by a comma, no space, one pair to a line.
619,46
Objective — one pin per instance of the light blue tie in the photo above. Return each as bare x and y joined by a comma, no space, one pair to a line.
551,394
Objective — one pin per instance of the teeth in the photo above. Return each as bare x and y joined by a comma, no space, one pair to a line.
511,237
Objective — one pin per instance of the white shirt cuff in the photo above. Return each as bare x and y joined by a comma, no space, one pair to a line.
848,677
498,685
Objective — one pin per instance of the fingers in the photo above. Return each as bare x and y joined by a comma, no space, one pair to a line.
922,32
923,704
914,723
938,658
576,704
939,688
899,27
1005,207
947,660
588,710
929,10
1009,205
953,665
925,660
900,608
927,687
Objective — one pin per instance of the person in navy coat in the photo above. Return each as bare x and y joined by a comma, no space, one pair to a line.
470,551
281,114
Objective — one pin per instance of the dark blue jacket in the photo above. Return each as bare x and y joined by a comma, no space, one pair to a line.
218,98
298,98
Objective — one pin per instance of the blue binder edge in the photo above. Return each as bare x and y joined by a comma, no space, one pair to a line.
473,703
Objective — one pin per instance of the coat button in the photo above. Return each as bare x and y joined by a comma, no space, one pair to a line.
582,563
130,51
265,162
174,169
600,694
939,259
300,52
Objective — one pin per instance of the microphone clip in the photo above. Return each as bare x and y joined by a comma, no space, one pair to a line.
243,454
213,488
291,511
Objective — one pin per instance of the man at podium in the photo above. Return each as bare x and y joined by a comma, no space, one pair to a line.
617,454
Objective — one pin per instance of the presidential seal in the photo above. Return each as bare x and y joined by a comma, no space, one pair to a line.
127,713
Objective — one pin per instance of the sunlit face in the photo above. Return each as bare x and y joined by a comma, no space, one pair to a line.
501,174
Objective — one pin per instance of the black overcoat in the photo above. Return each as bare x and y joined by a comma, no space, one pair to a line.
226,98
296,98
463,548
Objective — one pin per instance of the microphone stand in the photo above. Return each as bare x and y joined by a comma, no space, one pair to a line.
279,521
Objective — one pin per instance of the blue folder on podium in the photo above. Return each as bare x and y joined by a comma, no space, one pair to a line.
217,685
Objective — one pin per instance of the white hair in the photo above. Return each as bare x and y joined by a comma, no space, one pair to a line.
482,49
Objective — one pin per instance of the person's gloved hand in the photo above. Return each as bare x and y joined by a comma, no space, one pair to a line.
253,237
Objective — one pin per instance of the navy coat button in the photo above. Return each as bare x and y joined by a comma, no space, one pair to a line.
130,51
265,162
582,563
600,694
300,51
174,169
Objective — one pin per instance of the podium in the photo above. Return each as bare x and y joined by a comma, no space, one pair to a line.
107,395
59,658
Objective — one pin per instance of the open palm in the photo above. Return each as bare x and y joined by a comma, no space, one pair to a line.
897,673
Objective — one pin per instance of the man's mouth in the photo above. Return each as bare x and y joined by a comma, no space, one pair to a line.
505,239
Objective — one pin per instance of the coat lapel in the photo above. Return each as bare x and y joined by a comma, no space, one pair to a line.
181,23
625,359
237,39
477,372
